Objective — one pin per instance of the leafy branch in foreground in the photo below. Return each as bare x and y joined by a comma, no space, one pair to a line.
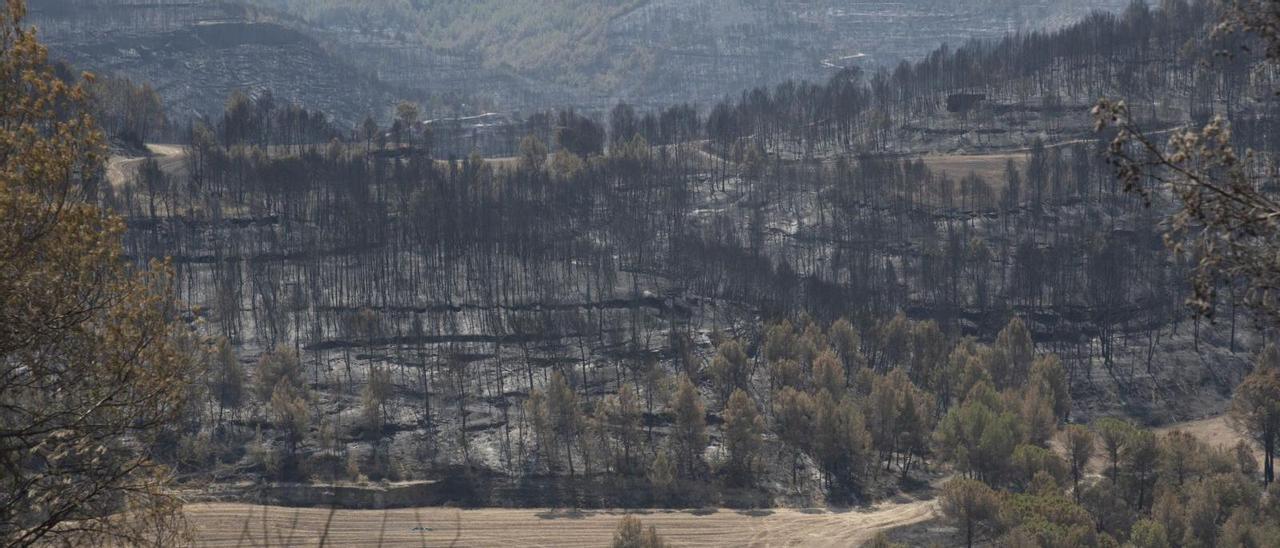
92,366
1258,17
1226,222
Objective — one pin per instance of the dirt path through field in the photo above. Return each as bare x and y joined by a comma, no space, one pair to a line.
227,525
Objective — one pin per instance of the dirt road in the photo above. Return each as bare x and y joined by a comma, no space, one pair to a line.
123,169
227,525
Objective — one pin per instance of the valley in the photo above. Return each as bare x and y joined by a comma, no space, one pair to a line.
196,52
697,273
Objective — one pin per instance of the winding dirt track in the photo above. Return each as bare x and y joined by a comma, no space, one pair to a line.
122,169
227,525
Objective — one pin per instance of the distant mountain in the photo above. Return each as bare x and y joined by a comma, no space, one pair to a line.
357,57
656,51
197,52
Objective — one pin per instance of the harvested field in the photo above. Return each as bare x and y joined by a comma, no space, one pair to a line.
990,167
247,525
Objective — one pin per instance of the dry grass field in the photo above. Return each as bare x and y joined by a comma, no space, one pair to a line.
233,525
990,167
1214,431
243,525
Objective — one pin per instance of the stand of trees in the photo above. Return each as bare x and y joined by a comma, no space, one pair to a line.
1154,490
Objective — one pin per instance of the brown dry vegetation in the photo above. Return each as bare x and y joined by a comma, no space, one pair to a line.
990,167
246,525
1214,431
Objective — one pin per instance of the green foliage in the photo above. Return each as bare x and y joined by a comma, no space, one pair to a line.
811,341
1078,442
662,474
894,338
1037,416
1048,375
227,377
291,412
1245,529
632,534
564,414
929,349
780,342
533,154
795,416
1113,435
127,111
963,371
1201,515
828,374
1030,460
275,367
408,113
567,165
980,440
623,415
689,433
374,401
539,417
1148,533
1053,520
973,506
1255,410
1111,513
1141,460
1181,457
743,427
787,373
848,345
1011,357
729,369
899,418
842,444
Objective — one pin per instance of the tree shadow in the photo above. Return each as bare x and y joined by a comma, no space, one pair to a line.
563,514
